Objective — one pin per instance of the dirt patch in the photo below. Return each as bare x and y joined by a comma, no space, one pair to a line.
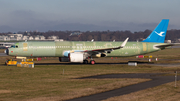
4,91
45,99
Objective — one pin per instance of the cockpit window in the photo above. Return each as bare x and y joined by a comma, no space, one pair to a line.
14,46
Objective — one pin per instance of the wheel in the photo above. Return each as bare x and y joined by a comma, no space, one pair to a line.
92,62
85,61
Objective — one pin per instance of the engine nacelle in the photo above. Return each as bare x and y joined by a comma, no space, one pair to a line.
73,57
76,57
99,55
103,55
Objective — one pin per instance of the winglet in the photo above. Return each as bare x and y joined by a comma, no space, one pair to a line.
124,43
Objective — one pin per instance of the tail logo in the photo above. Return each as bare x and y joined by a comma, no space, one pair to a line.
160,34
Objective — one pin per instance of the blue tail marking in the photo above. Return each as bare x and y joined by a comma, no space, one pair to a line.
159,33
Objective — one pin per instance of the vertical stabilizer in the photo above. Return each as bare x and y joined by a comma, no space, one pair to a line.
159,33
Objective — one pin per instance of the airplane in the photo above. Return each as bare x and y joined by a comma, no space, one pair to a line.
80,51
75,33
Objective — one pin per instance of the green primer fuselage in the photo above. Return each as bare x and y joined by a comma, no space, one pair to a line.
57,49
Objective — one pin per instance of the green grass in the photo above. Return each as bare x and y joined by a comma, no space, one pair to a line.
47,82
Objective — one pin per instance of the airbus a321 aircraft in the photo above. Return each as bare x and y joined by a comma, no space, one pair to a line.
80,51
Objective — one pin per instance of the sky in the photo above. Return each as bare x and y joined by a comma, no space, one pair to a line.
87,15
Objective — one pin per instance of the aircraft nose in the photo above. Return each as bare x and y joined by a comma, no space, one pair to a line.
7,51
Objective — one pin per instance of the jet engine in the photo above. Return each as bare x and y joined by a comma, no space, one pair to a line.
76,57
73,57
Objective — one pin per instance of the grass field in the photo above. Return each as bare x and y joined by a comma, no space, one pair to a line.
47,82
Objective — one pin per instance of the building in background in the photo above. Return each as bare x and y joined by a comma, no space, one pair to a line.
18,37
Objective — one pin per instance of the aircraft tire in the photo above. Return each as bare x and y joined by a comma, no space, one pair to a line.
92,62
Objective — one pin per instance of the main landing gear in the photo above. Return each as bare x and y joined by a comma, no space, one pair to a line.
91,62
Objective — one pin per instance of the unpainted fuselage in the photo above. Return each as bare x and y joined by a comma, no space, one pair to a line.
57,49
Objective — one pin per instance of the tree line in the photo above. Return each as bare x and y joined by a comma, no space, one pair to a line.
173,35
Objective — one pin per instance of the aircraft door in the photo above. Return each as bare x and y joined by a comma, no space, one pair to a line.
26,51
149,47
25,47
144,47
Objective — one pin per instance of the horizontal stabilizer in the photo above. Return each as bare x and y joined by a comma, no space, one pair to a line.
167,45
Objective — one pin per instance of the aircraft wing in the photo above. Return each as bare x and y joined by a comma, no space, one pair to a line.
105,50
